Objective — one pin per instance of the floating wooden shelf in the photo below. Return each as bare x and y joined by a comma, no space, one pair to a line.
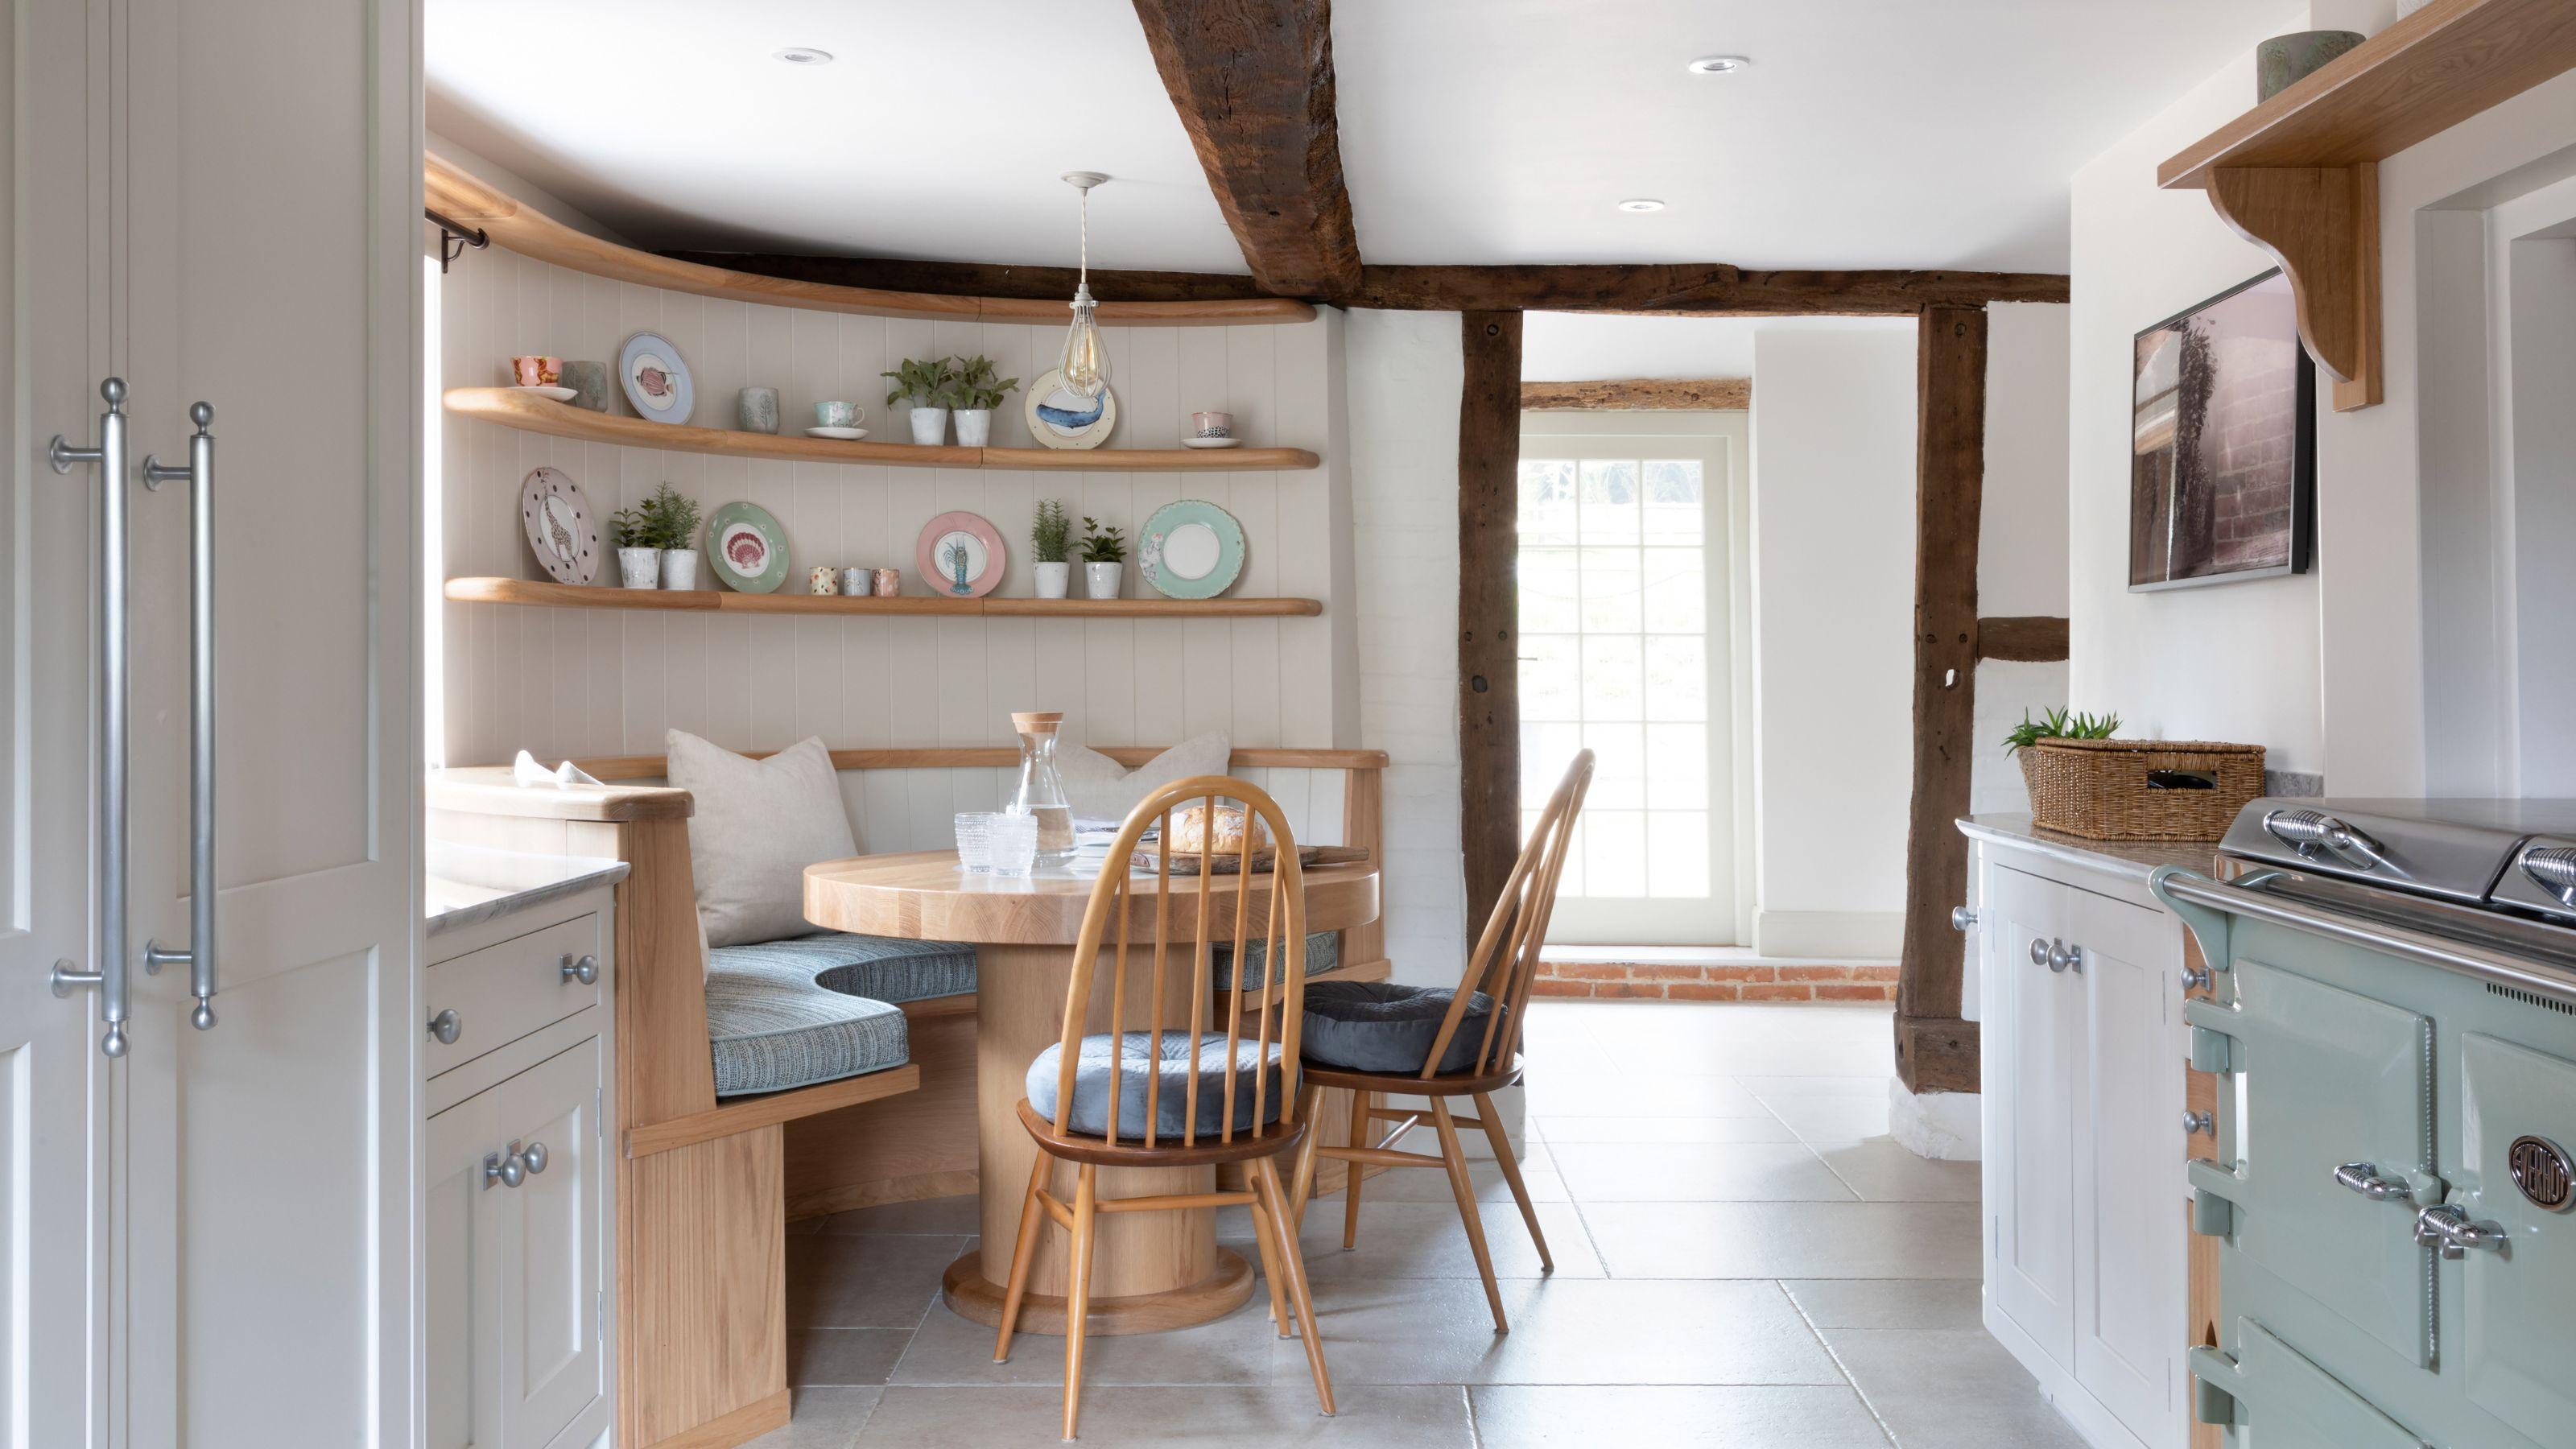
2298,175
545,594
529,232
528,412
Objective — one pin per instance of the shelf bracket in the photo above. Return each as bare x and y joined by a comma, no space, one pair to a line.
2322,224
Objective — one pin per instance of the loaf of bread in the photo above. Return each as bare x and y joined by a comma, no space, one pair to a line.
1190,831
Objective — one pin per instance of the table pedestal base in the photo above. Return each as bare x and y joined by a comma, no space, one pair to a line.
972,1295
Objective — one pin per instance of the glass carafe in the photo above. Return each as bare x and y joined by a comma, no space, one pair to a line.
1041,789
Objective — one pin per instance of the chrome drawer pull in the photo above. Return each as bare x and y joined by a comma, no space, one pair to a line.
447,1026
585,970
2364,1178
2449,1229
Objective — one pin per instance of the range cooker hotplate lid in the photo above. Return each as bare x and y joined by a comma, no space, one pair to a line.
2458,850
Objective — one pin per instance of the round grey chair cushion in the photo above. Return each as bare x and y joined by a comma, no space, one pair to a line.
1171,1099
1379,1026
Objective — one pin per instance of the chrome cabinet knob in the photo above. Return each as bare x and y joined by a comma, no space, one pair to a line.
2449,1230
585,970
534,1154
2366,1179
508,1171
447,1026
2195,1122
2039,951
2195,978
2062,957
1961,918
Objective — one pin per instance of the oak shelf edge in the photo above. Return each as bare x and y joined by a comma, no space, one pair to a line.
546,594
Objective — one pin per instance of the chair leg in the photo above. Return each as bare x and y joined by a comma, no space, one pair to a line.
1453,1156
1270,1271
1512,1174
1309,1097
1077,1297
1024,1248
1265,1175
1351,1180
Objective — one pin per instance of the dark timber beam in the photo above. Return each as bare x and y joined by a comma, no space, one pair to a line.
1701,289
1489,671
1935,1050
1253,82
982,279
1640,395
2029,638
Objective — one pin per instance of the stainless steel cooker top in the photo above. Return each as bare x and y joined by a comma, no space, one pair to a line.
2511,857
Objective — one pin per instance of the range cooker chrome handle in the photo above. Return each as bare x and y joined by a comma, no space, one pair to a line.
2451,1231
2553,869
2366,1179
2312,831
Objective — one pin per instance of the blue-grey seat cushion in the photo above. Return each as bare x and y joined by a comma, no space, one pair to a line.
1323,953
817,1008
1171,1100
887,968
1379,1026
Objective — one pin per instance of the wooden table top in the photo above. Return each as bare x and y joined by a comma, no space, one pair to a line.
925,895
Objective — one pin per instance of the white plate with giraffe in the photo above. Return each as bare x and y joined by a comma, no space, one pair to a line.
562,527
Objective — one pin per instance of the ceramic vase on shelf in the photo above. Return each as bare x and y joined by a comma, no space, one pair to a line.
974,427
589,384
1100,580
2285,60
1053,579
929,426
679,568
640,568
757,410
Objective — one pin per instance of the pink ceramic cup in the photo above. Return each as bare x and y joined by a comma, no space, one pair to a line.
889,583
537,371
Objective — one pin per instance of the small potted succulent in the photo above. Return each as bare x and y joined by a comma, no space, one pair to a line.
1051,534
980,389
654,541
1104,559
929,385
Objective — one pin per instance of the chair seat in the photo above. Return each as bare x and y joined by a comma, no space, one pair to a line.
1323,953
1138,1065
1382,1026
785,1014
885,968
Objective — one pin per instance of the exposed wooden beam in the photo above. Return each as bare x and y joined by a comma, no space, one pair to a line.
1639,394
1253,82
983,279
2030,638
1950,471
1489,671
1706,289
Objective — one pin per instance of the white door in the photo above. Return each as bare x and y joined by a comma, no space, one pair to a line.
2030,1208
1630,590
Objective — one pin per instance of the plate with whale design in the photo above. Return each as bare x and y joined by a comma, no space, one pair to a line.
1059,417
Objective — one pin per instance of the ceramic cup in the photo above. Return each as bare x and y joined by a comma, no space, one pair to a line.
822,579
757,411
537,371
838,414
889,583
589,384
1213,425
856,581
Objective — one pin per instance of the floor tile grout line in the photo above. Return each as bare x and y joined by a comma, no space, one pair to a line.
1839,1366
1475,1436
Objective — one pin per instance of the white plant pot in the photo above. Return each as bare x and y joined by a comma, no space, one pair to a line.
929,426
974,427
1053,579
679,568
640,568
1100,580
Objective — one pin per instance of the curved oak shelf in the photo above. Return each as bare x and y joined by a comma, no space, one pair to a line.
546,594
531,233
528,412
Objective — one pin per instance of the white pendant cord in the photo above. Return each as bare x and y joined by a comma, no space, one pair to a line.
1082,284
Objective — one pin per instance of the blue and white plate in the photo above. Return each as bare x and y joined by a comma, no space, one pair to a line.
1059,417
657,381
1190,550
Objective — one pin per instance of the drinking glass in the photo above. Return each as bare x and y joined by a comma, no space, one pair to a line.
975,841
1012,844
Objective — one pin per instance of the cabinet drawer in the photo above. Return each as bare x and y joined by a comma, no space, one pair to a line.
503,992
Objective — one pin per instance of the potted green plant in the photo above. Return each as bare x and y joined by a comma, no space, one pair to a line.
929,385
1104,559
980,389
655,541
1051,534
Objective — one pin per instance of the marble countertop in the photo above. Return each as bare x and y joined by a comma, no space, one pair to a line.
2132,859
469,884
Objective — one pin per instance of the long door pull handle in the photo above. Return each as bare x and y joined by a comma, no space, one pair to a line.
108,935
199,475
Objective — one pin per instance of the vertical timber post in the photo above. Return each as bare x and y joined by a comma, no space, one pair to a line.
1489,710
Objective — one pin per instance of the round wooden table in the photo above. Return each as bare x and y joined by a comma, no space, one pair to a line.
1151,1271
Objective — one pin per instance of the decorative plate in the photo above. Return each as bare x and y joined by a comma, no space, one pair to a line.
561,526
747,548
1190,550
955,544
1063,418
656,379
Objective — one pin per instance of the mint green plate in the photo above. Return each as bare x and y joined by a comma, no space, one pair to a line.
1190,550
747,549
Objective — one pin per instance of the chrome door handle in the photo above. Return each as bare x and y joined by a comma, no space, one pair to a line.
2449,1229
2039,952
535,1156
1961,918
109,976
2195,1122
447,1026
2366,1179
585,970
199,475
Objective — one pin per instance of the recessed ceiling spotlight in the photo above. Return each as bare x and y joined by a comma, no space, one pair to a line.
1718,64
1641,203
803,55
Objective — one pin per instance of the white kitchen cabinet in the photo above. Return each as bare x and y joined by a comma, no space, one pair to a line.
2082,1058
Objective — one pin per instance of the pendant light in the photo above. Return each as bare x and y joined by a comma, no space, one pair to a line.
1085,363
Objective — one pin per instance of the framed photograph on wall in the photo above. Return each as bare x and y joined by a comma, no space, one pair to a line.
2223,449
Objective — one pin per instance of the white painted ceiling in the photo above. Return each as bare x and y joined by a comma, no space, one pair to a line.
1581,346
1868,133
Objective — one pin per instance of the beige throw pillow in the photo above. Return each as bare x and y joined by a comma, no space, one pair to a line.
1099,788
759,823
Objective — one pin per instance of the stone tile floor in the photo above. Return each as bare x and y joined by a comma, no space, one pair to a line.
1743,1260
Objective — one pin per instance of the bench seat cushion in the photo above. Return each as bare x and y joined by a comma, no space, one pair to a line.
1381,1026
1171,1099
887,968
1323,953
811,1009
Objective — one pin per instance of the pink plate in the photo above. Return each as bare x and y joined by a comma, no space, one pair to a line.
944,539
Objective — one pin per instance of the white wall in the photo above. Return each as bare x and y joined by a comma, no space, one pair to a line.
2021,531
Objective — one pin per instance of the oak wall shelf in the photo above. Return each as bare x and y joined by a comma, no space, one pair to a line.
513,408
453,193
546,594
2298,175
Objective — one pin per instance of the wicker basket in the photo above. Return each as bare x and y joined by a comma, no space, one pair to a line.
2123,789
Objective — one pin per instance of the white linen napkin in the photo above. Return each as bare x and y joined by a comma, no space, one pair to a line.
526,771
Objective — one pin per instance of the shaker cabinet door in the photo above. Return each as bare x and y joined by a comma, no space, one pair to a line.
550,1248
2033,1014
462,1314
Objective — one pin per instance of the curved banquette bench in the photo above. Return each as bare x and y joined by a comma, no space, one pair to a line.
761,1083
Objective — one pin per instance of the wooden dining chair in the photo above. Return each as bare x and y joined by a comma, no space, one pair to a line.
1376,1039
1183,1092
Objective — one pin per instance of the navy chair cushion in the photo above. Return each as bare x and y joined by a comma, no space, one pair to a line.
1323,953
1379,1026
817,1008
887,968
1171,1099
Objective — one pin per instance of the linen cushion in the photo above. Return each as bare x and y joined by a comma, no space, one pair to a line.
759,823
1171,1103
887,968
1380,1026
1100,788
1323,953
771,1026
